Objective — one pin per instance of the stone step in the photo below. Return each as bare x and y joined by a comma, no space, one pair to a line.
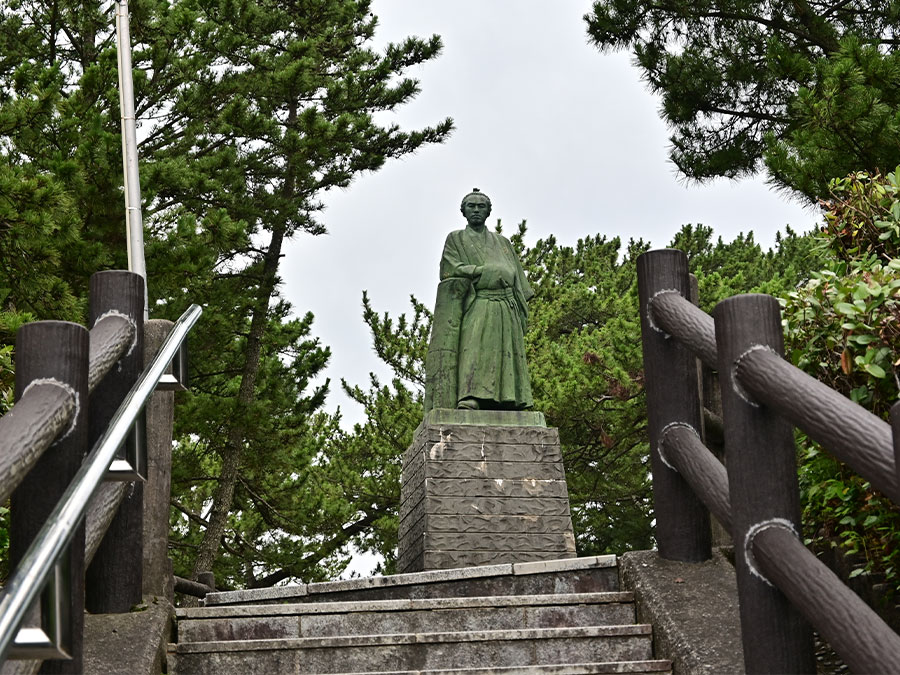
428,651
572,575
655,667
437,615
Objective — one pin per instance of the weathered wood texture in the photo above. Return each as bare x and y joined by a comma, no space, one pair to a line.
762,477
28,429
55,351
859,636
159,412
670,371
113,578
693,327
850,432
100,513
710,398
39,416
192,588
111,338
895,428
702,470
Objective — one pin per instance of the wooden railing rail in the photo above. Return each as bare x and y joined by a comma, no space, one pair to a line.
686,453
44,410
693,327
78,390
205,584
851,433
780,582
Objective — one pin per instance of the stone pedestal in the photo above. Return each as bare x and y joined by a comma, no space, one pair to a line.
481,488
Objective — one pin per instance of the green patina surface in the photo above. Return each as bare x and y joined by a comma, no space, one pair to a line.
476,357
485,418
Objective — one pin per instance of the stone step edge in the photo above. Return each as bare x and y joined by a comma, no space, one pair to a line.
411,579
652,666
627,630
402,605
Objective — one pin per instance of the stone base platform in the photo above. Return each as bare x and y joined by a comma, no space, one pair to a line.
483,488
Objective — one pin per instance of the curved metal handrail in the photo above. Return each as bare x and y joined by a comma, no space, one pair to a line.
26,583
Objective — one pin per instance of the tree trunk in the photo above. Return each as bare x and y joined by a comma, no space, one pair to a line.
223,495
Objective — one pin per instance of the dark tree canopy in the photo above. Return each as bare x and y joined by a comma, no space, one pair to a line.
808,89
248,113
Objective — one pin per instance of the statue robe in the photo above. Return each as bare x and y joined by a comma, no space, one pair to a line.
479,325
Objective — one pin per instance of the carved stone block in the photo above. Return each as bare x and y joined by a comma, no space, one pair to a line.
482,494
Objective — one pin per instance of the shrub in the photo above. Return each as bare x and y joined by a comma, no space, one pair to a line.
843,327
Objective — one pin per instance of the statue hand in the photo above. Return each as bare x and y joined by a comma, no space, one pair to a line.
491,276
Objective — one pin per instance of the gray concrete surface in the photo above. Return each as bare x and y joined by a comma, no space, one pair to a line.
693,609
631,667
423,651
499,479
438,615
133,643
575,575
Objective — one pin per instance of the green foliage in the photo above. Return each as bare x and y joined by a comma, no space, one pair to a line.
863,217
269,526
7,378
846,117
362,467
843,327
808,89
724,269
248,112
584,355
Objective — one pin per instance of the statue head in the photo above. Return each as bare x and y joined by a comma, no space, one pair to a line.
478,214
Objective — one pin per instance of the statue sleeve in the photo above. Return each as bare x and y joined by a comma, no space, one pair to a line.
523,291
527,293
442,359
454,262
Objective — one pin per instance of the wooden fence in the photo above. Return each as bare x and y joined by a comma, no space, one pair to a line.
73,463
783,589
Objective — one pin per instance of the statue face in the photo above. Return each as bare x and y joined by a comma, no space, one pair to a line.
476,210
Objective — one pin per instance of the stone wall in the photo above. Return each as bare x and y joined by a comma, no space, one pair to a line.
483,494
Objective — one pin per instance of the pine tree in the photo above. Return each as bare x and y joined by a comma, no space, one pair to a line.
807,89
248,113
284,113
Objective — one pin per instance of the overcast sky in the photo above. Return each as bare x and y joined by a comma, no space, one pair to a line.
555,132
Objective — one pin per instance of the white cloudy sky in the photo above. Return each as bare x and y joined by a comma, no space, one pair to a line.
554,131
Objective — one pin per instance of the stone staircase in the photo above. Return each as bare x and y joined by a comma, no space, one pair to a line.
562,617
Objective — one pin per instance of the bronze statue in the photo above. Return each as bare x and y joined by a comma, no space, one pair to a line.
476,357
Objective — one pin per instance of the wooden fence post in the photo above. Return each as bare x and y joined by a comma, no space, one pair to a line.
673,398
710,404
114,577
158,579
762,482
54,352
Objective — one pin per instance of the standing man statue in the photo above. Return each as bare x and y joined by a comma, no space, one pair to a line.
476,357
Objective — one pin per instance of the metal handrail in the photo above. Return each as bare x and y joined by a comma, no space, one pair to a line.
39,561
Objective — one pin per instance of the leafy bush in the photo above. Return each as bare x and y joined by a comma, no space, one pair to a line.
843,327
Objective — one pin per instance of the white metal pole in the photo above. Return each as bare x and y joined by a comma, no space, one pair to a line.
134,225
